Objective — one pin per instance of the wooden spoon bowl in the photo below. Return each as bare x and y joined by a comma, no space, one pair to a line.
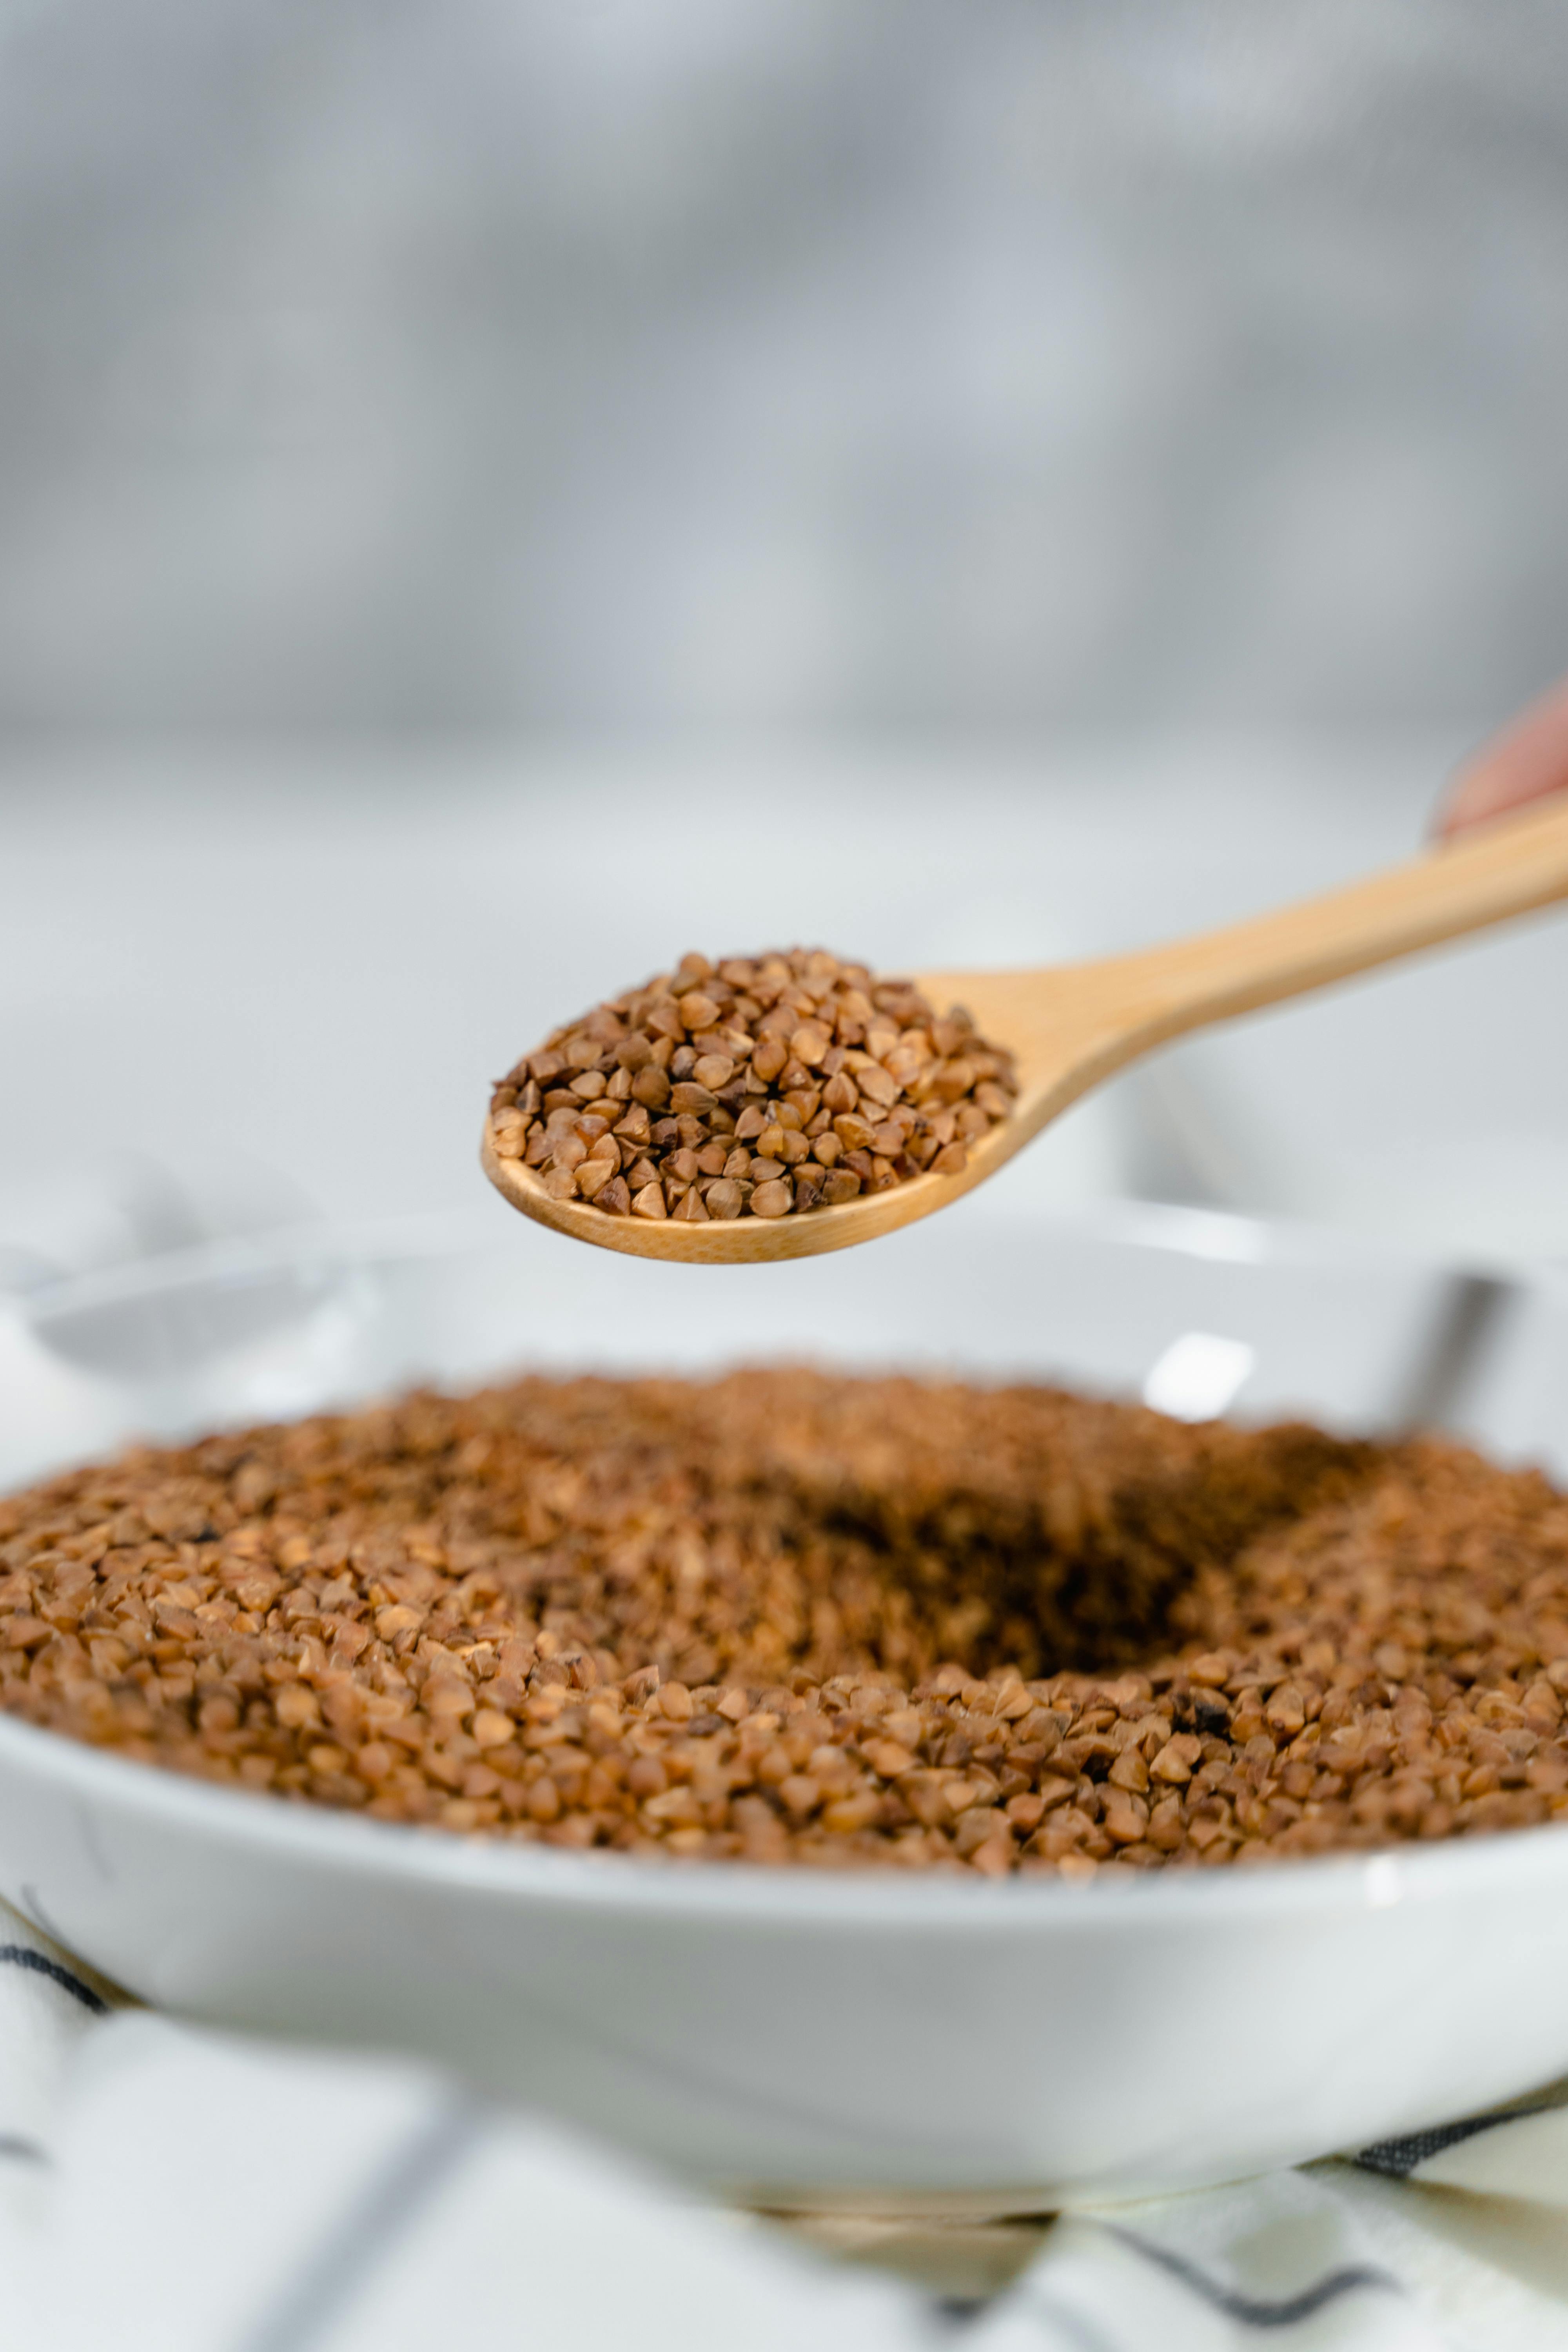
1070,1025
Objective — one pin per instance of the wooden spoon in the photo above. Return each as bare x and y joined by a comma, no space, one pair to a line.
1070,1025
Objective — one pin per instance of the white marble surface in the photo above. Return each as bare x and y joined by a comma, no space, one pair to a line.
284,978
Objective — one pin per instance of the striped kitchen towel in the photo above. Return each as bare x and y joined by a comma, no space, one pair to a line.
168,2188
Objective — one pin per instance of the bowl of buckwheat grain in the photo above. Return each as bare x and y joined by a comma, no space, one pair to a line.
1042,1705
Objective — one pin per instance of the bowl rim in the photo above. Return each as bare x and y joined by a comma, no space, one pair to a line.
158,1796
1177,1229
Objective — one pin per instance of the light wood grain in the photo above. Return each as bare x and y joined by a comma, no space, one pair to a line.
1072,1025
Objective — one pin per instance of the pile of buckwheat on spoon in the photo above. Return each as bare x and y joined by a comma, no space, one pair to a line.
756,1086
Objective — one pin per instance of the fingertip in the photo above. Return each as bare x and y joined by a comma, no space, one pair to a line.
1528,761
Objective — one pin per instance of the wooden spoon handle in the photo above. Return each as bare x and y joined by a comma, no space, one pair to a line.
1483,876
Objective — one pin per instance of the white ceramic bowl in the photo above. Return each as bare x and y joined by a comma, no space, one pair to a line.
794,2034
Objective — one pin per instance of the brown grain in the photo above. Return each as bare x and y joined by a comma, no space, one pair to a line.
762,1085
783,1617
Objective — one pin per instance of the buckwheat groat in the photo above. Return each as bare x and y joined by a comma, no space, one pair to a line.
786,1618
761,1085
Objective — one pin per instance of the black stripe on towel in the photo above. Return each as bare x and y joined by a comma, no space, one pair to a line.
22,1956
1258,2311
373,2225
1400,2157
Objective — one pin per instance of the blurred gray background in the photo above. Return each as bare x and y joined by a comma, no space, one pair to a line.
644,363
494,495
